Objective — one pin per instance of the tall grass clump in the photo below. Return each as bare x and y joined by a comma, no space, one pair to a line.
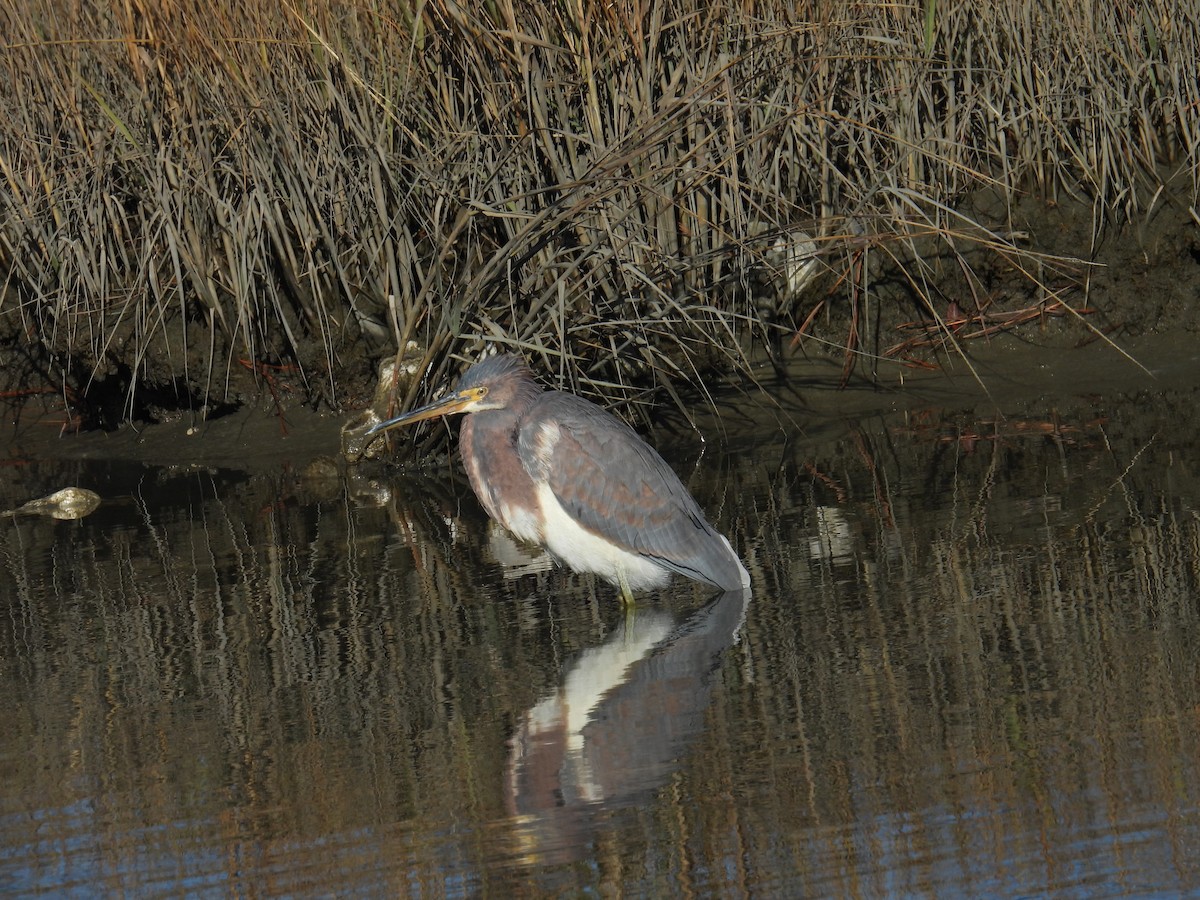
195,194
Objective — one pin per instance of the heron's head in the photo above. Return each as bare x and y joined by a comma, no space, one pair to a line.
496,382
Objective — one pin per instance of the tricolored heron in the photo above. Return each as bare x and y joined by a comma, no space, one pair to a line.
559,471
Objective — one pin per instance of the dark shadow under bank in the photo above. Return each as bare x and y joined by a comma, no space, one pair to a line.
1007,370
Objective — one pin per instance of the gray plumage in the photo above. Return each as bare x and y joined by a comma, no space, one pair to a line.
519,440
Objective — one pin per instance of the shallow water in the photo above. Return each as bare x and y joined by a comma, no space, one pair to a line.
969,666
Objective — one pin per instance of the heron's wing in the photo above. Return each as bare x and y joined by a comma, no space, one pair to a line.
616,485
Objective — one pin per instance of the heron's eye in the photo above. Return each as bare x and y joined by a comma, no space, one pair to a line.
483,392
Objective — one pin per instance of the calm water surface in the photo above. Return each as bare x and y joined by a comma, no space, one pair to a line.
970,666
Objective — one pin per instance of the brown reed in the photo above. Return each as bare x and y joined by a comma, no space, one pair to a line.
614,190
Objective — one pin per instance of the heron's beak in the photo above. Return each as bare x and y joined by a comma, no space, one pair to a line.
448,405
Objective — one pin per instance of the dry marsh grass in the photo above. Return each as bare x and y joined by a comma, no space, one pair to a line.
193,192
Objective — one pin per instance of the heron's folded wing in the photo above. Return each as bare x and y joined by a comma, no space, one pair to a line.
615,485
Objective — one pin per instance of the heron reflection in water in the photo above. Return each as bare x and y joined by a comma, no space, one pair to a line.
559,471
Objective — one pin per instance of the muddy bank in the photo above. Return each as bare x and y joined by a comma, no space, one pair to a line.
999,377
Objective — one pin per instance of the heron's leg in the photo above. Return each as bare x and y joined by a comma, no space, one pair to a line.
626,594
628,606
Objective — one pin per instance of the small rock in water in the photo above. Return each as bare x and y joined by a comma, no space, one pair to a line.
69,503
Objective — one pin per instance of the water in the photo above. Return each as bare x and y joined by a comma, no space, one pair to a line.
969,668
